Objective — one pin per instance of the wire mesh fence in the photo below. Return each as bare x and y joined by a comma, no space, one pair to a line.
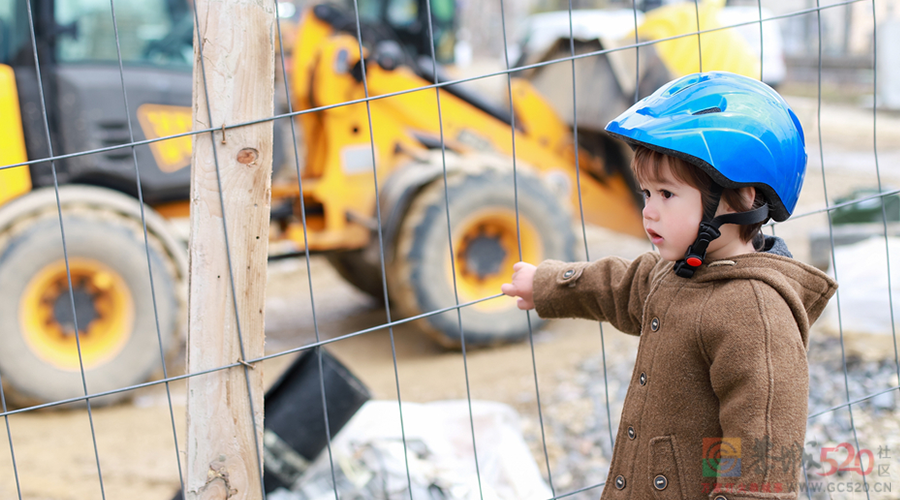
569,416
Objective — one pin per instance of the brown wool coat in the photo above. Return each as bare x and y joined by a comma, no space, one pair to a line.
721,355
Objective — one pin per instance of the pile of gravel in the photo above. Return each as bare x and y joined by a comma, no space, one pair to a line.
873,425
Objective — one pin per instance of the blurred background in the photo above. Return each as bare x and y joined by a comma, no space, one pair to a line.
565,379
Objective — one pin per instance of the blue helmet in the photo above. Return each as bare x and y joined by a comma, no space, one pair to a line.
737,129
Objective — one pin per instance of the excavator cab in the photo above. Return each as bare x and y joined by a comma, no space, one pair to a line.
82,89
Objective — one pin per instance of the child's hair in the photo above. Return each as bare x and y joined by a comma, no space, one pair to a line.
647,165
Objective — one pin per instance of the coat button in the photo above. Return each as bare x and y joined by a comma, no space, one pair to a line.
660,482
643,379
654,324
568,274
721,497
631,433
620,482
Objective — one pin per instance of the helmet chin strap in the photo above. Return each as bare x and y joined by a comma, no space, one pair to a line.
709,230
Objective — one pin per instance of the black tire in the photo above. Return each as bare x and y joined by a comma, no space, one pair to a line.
420,279
356,267
99,239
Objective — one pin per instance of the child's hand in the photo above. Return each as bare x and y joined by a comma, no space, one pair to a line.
522,285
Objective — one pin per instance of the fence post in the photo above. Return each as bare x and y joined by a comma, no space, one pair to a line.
223,460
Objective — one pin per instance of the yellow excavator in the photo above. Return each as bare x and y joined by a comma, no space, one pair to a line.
511,185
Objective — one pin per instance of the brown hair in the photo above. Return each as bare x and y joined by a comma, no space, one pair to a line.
648,164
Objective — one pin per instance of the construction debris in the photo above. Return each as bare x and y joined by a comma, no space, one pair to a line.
372,458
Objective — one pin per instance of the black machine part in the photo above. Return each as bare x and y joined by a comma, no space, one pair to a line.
87,116
90,114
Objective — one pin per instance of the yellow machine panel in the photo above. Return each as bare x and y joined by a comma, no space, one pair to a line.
13,181
160,121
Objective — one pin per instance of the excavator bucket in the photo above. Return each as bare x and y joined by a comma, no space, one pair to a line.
683,53
610,72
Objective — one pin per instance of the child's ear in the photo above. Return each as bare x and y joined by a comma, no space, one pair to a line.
747,196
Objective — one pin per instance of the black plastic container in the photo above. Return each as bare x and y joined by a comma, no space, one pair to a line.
295,418
294,432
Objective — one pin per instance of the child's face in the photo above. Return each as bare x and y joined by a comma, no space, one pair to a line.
672,213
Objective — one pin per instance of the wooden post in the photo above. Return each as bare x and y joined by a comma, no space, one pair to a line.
239,60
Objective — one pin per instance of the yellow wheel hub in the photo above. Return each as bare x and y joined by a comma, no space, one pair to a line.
104,311
486,247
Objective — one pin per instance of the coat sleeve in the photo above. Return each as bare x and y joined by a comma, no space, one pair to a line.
758,370
610,289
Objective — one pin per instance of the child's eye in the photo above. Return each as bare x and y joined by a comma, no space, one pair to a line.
645,193
666,194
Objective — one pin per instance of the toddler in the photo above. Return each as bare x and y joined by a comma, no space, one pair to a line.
717,404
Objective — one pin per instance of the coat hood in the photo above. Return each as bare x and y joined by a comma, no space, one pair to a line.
775,245
804,288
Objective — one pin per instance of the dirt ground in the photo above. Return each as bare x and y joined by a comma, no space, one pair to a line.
54,456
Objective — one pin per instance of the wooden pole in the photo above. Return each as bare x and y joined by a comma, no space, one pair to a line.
224,422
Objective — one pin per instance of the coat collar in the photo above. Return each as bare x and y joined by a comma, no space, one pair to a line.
805,289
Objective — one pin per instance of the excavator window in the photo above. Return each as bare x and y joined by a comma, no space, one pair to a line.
402,13
406,22
5,32
13,30
157,32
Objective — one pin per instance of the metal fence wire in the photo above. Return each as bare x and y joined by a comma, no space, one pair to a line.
848,408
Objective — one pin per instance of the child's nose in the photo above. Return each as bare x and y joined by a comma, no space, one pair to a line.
649,211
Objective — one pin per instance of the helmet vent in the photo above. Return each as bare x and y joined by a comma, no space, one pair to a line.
715,109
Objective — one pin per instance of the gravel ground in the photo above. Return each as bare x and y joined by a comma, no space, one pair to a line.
576,419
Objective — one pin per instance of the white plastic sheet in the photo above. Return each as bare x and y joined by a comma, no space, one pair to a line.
865,304
369,460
